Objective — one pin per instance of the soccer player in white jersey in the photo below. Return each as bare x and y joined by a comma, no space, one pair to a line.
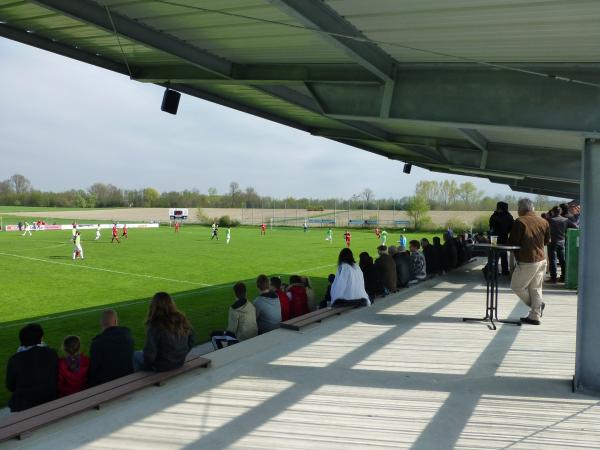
97,232
78,249
27,229
228,236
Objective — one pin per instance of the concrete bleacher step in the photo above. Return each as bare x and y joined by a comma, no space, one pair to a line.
20,424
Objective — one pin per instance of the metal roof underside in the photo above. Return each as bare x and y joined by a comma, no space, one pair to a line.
404,79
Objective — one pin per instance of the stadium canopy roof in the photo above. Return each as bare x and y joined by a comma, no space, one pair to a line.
502,89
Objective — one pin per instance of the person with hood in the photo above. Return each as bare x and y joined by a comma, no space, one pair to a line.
501,222
402,260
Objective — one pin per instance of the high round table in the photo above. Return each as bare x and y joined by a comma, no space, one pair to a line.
491,295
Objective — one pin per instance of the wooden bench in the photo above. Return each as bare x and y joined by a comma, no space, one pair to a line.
315,316
20,424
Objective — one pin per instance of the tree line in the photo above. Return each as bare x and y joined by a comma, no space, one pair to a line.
437,195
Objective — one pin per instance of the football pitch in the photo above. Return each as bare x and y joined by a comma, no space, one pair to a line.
41,283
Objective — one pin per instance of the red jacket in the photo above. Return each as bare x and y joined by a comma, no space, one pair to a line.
299,302
70,382
285,305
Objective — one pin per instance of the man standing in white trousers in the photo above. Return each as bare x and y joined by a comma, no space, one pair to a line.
532,234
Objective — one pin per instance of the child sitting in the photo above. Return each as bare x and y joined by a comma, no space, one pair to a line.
73,368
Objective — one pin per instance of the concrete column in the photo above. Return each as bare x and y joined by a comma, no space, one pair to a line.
587,362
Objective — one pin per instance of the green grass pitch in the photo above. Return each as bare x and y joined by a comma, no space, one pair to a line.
41,283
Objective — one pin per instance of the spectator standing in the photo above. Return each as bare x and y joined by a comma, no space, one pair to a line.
386,270
169,336
418,265
531,233
284,301
574,212
73,368
556,248
501,222
31,373
268,308
111,352
373,285
348,288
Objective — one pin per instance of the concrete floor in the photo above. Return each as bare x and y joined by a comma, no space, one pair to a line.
405,373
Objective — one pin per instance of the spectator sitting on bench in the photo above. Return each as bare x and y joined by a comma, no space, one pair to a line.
449,253
433,265
111,352
418,270
386,270
373,284
268,308
348,288
32,372
241,323
402,261
284,301
296,292
327,297
310,293
73,368
169,337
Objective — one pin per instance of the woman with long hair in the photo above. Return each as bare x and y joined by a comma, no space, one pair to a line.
348,288
169,336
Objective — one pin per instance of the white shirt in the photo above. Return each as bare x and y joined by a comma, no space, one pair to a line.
349,284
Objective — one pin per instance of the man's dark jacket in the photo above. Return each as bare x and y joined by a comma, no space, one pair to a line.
501,223
433,263
386,271
32,377
449,255
111,355
402,261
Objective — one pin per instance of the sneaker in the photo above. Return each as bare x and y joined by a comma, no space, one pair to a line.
543,307
529,321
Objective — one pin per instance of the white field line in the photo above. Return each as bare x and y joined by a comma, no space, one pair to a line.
123,305
142,275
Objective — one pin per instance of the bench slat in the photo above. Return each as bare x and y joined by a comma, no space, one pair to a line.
313,317
28,422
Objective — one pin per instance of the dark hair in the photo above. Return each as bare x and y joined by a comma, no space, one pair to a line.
436,240
276,282
239,289
502,206
364,258
555,211
415,243
331,278
564,208
346,256
295,279
262,282
425,241
164,314
31,334
71,346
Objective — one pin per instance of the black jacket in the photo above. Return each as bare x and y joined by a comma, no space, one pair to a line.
166,351
558,229
501,224
373,284
111,355
402,261
433,261
32,377
449,255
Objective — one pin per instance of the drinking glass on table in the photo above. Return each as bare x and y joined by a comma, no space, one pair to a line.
494,240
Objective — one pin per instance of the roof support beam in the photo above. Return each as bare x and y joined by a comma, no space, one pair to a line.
319,16
259,74
479,141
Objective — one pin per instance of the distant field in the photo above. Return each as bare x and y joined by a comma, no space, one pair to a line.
41,283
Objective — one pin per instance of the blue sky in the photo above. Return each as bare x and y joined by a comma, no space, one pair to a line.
65,124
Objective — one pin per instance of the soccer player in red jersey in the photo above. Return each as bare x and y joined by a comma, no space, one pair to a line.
115,234
347,236
263,229
177,225
124,231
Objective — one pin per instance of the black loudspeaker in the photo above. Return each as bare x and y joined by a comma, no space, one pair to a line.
407,167
170,101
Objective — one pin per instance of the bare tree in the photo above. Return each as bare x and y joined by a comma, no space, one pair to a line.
367,196
20,184
234,191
